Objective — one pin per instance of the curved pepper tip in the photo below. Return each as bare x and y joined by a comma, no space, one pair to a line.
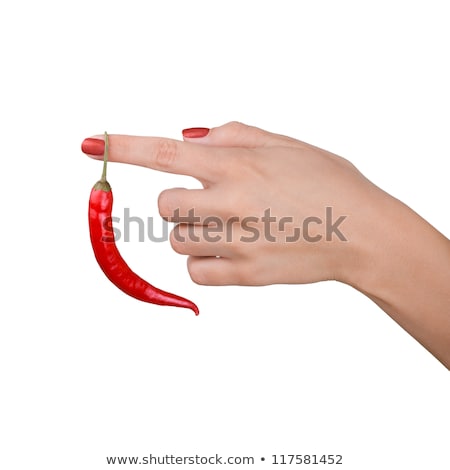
195,309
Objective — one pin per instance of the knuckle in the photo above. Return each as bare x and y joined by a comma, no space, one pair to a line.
164,205
166,153
240,274
238,248
169,202
178,241
197,275
249,272
234,125
235,128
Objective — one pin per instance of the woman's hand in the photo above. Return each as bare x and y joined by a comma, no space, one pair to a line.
273,209
277,210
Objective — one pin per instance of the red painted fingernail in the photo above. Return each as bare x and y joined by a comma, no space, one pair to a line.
93,146
195,132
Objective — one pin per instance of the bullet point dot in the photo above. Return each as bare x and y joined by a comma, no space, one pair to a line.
262,458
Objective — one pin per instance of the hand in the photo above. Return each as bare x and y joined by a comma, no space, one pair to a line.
288,212
278,210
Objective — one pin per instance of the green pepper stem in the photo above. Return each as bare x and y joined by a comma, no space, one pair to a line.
105,158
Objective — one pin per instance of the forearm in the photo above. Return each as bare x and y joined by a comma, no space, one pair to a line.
406,271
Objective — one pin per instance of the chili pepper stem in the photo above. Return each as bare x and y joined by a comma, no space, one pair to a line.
102,184
105,157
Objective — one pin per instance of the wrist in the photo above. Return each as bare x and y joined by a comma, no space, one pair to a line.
403,264
382,245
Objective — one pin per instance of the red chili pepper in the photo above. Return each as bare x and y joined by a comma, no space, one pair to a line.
108,256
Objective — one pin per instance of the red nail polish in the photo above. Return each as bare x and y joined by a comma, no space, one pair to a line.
93,146
195,132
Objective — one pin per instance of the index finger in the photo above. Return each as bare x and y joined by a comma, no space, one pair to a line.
169,155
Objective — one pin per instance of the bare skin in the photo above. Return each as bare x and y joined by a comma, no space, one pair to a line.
380,246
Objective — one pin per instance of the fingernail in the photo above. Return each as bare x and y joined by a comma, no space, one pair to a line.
93,146
195,132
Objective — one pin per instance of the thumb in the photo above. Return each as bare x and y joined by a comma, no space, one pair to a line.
233,134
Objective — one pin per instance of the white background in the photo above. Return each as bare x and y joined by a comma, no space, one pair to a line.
87,372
